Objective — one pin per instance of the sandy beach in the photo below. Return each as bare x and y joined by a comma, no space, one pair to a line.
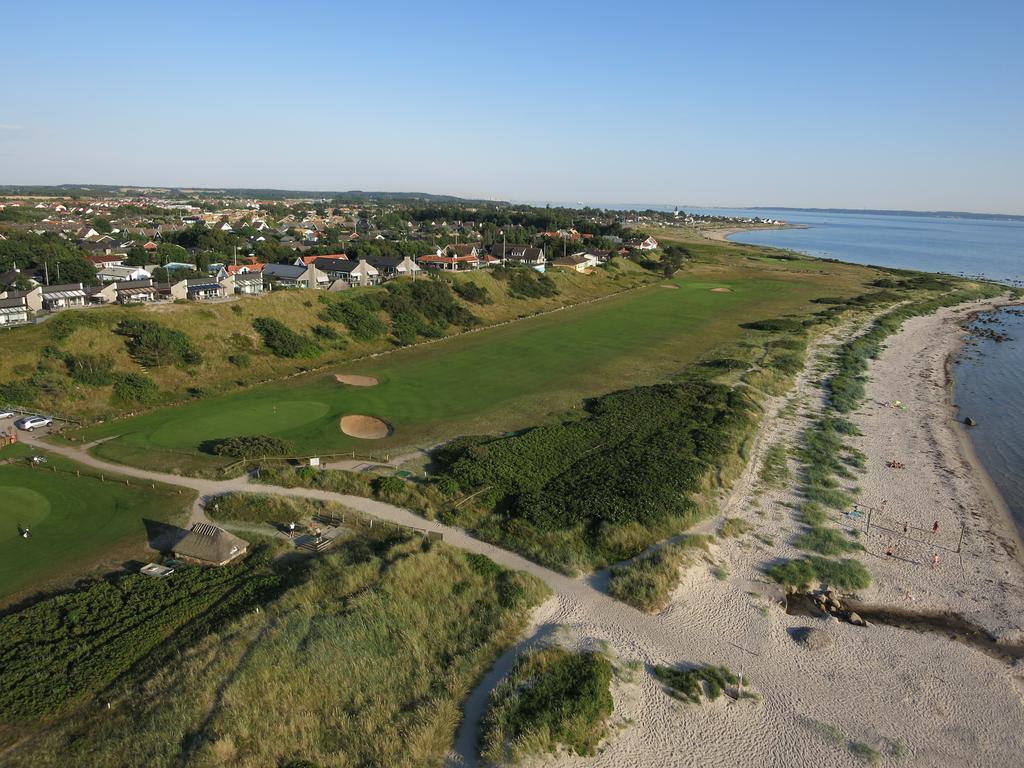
911,698
722,234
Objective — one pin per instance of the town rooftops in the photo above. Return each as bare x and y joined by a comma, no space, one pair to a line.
207,543
64,291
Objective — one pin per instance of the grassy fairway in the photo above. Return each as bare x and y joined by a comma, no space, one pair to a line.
496,379
74,521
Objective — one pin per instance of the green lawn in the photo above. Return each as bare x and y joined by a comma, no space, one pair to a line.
496,379
74,521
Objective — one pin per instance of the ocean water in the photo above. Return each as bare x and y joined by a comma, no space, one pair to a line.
993,248
990,389
989,375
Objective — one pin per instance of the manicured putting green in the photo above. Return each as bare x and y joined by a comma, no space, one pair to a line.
73,521
496,379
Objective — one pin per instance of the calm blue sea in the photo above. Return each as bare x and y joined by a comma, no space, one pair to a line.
990,374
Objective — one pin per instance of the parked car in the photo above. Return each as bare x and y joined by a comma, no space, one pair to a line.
6,415
33,422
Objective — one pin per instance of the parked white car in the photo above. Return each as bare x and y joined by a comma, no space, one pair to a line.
33,422
6,415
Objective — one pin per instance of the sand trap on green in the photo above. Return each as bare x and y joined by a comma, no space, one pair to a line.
365,427
356,381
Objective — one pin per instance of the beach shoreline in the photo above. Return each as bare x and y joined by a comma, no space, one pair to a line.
962,431
981,575
722,234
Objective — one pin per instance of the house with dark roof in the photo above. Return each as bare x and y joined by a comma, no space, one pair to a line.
292,276
390,267
351,272
522,255
56,297
13,312
244,283
197,289
207,544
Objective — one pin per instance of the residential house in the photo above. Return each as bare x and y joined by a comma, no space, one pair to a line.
244,283
292,276
575,262
593,256
135,291
56,297
390,267
207,544
116,274
453,258
13,311
523,255
104,260
232,270
197,289
350,272
33,298
647,244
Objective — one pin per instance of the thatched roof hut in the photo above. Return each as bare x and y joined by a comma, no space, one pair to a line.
207,544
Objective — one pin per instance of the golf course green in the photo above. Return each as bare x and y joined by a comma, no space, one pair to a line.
74,521
499,378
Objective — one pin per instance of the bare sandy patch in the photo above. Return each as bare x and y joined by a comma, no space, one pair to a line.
721,290
365,427
356,381
676,287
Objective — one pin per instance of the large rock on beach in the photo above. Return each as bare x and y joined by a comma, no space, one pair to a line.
811,638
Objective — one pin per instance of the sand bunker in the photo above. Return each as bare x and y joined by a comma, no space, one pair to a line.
356,381
721,290
365,427
670,286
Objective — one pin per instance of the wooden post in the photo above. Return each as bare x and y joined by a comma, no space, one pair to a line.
102,479
869,523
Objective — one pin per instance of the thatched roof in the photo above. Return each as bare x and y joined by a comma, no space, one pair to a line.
210,544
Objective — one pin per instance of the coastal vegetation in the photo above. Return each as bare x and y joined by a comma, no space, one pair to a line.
647,581
693,685
552,698
600,488
382,638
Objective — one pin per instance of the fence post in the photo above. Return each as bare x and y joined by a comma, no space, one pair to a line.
869,523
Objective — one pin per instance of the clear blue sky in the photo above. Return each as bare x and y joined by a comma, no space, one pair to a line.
873,104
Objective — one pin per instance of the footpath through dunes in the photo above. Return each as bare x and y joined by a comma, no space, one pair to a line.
886,689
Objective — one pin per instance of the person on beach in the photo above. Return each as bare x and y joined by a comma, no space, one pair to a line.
935,527
935,560
888,549
291,529
906,527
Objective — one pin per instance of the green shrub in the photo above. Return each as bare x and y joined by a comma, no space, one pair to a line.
153,345
92,370
826,541
552,697
282,340
358,316
802,574
470,291
251,446
646,582
692,684
240,359
779,325
135,388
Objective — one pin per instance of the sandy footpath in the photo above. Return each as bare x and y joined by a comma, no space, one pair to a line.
916,699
